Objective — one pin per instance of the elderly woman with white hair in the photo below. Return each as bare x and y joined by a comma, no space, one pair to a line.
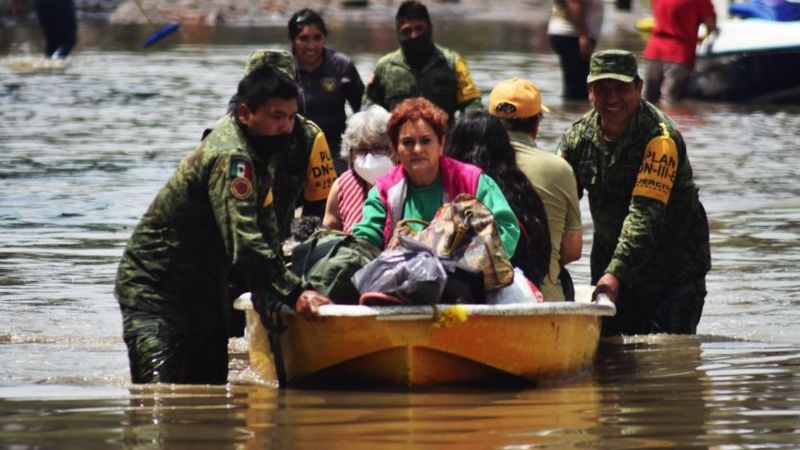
369,154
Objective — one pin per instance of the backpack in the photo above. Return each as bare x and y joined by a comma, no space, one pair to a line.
327,261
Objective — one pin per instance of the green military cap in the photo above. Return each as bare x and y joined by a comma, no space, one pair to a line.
279,59
615,64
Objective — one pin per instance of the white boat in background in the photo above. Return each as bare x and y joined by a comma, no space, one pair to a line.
755,35
751,59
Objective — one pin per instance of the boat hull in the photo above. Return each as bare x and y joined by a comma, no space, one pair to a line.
753,76
411,346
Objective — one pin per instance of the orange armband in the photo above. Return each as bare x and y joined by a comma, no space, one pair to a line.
659,167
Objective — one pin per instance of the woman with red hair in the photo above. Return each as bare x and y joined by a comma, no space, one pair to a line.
425,179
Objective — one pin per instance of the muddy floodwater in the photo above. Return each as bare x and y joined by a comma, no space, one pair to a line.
84,147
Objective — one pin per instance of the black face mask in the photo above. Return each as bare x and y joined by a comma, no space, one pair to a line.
417,50
267,145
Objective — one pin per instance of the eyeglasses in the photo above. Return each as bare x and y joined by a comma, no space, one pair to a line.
380,149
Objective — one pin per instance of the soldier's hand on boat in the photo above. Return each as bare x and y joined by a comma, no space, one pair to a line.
607,285
308,305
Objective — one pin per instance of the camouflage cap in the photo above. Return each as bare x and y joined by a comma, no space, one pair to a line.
279,59
615,64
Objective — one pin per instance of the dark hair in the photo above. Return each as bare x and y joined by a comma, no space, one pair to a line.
412,10
263,83
523,124
412,109
480,139
305,17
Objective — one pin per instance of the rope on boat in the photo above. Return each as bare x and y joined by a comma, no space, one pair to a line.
449,316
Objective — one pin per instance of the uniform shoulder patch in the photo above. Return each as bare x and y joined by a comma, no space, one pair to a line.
241,168
657,172
467,90
241,188
320,171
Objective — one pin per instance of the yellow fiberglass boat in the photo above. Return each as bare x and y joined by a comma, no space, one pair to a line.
423,345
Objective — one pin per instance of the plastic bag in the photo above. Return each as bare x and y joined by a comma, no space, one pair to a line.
520,291
414,277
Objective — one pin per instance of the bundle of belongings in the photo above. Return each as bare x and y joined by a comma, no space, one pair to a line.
456,258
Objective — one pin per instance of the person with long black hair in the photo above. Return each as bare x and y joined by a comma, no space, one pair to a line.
481,139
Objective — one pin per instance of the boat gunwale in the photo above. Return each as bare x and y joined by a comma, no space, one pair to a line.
411,312
513,309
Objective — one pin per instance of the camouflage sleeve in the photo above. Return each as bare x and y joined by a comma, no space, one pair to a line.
235,204
375,93
320,175
644,222
469,97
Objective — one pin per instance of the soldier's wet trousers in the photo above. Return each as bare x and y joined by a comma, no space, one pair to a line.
675,310
159,353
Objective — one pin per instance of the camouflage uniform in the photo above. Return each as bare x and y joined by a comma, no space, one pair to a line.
306,177
310,171
445,80
650,229
216,214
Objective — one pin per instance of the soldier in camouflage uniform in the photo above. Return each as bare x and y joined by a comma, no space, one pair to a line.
650,252
309,173
421,68
304,177
216,214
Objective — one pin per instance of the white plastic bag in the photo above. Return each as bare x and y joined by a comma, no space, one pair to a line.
519,291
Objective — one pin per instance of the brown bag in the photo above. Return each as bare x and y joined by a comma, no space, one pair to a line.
463,230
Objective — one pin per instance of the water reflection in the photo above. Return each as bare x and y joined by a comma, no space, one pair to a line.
659,391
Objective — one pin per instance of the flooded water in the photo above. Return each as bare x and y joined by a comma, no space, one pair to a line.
85,147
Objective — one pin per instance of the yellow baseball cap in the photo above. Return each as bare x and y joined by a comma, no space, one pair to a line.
516,99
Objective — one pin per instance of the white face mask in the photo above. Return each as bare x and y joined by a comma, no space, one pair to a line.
370,167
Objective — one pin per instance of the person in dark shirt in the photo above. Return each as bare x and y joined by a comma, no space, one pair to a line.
327,78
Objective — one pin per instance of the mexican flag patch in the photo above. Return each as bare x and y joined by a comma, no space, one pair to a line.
241,168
